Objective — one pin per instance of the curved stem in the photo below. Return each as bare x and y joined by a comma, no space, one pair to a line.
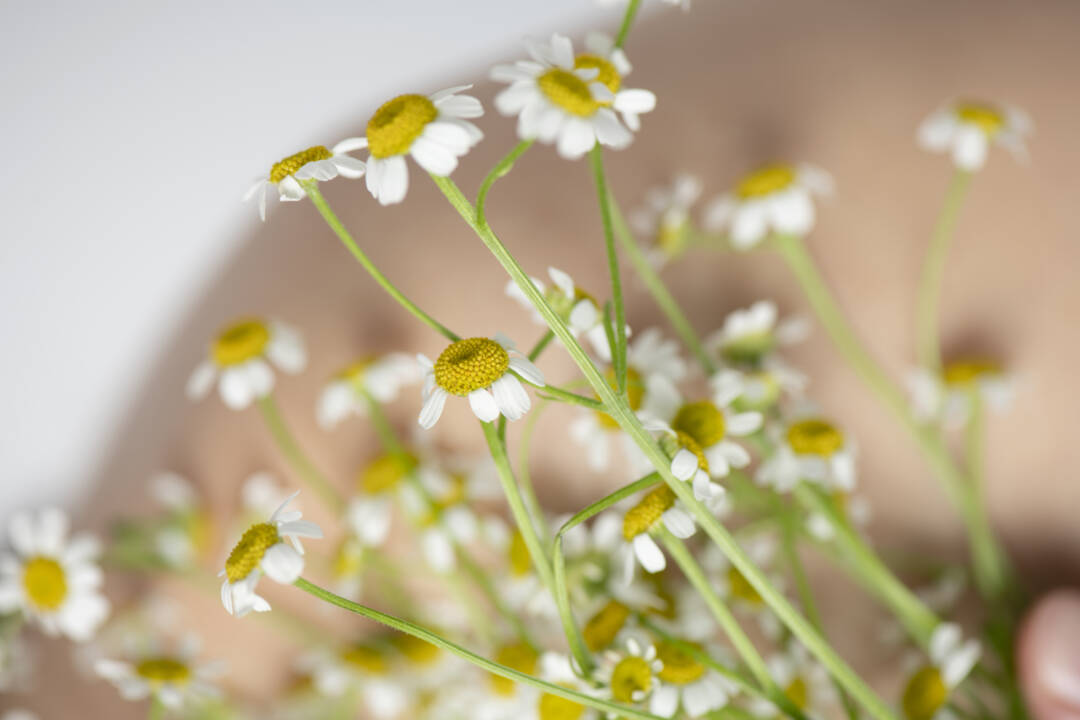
501,168
540,345
300,462
550,392
618,352
627,23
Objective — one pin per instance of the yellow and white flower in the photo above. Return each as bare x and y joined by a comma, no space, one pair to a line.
665,218
658,507
184,533
174,679
630,675
949,397
687,685
379,377
50,578
315,163
750,335
501,698
772,199
559,669
242,355
803,680
484,370
966,129
435,130
578,308
810,448
262,549
366,666
570,100
928,688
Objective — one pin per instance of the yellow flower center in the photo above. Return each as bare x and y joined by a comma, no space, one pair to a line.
749,348
765,181
679,667
518,656
568,91
814,437
158,671
44,582
964,373
632,675
601,629
240,342
248,553
395,125
741,588
796,692
354,372
367,658
635,394
925,694
671,236
520,561
470,364
284,168
607,74
415,650
986,118
553,707
642,516
702,421
383,473
682,441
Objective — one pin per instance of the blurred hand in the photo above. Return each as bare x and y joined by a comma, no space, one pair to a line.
1048,653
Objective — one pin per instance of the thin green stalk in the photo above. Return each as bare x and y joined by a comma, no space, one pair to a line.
627,22
553,393
927,337
618,352
658,289
300,462
525,474
540,345
157,709
311,187
501,168
488,588
481,662
478,616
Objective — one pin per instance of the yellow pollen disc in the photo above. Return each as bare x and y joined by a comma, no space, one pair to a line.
240,342
631,675
741,588
366,658
284,168
568,91
686,442
635,394
553,707
159,671
679,668
607,75
520,561
748,349
417,651
702,421
395,125
354,373
642,516
470,364
382,474
44,582
249,552
964,373
765,181
925,694
986,118
796,692
814,437
518,656
600,631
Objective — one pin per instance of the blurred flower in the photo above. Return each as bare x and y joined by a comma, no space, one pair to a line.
381,377
804,682
735,590
174,679
657,506
966,129
750,335
810,448
559,669
949,397
928,688
687,684
630,675
577,308
315,163
665,218
185,530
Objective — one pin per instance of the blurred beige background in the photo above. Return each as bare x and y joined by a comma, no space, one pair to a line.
842,84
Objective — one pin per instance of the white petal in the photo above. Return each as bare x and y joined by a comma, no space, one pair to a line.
349,145
664,701
635,101
936,132
969,148
945,639
438,551
679,522
433,408
684,465
576,137
483,405
282,563
960,663
393,180
349,167
200,382
609,131
792,212
433,157
510,397
748,225
260,377
744,423
562,281
527,370
235,388
649,554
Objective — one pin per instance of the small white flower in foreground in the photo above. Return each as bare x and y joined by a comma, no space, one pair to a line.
379,377
570,101
174,679
435,130
665,218
51,579
966,129
948,397
656,507
750,335
578,308
262,549
928,688
772,199
687,684
242,355
484,370
630,676
315,163
812,449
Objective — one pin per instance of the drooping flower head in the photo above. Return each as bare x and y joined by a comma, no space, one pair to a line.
664,220
173,678
315,163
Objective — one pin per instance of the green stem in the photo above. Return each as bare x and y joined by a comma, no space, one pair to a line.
553,393
928,340
540,345
618,352
627,23
525,474
501,168
311,187
300,462
481,662
157,709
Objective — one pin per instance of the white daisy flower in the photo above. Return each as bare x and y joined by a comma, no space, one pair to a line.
435,130
186,528
657,506
665,218
965,130
174,679
630,675
948,397
559,669
928,688
733,587
595,578
502,698
262,549
364,666
380,377
445,518
484,370
812,449
242,354
775,198
750,335
315,163
804,682
578,309
52,580
570,101
687,684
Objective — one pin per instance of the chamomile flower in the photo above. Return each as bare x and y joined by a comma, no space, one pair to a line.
315,163
503,698
484,370
262,549
185,530
559,669
687,685
366,666
965,130
50,578
435,130
949,397
444,517
750,335
579,309
595,577
379,377
928,688
570,101
665,218
519,584
772,199
631,675
242,355
810,448
173,678
657,508
804,682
